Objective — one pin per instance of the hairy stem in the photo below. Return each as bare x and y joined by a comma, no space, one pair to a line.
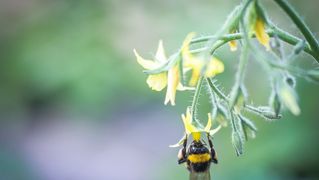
219,93
284,36
304,29
195,101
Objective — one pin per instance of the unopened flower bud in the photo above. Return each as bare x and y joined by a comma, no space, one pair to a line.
288,97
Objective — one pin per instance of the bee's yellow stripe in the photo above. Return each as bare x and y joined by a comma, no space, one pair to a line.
199,158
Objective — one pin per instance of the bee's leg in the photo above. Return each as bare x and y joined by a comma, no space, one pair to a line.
182,152
212,150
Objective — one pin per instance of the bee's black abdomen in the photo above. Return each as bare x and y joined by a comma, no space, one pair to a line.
199,157
199,167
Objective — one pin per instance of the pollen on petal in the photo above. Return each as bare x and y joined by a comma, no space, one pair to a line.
187,56
157,82
196,136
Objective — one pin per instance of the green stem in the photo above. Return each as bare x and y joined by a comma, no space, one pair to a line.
195,101
274,31
304,29
284,36
242,63
219,93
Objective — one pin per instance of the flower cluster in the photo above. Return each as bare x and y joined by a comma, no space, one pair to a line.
172,77
191,66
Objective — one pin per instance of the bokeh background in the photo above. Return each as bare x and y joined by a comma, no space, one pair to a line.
74,104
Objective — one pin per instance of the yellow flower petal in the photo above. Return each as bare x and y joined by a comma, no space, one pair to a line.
215,66
233,45
195,74
209,123
189,127
157,82
187,120
261,34
180,142
187,56
172,83
196,64
160,53
146,64
214,131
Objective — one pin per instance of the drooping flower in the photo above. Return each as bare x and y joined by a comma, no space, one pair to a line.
198,65
168,78
156,82
261,33
257,20
190,129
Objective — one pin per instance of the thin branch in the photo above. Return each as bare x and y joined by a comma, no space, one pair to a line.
301,25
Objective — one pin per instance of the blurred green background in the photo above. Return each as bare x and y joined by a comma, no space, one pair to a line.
74,103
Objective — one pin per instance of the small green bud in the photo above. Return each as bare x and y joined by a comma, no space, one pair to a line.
288,97
238,98
248,123
237,143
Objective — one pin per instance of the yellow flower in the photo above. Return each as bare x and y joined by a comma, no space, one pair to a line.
190,129
159,81
261,34
198,65
156,82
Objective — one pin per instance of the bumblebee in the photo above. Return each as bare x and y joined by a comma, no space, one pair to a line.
198,158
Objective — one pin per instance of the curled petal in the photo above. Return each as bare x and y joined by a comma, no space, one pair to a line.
180,87
214,131
157,82
188,40
172,83
215,66
261,34
160,54
187,120
196,136
187,55
146,64
180,142
209,123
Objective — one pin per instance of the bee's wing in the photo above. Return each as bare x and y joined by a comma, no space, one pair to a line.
199,176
